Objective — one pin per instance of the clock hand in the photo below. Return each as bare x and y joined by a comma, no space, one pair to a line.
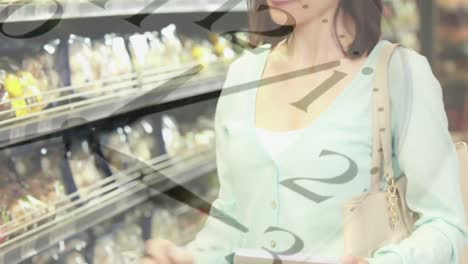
304,103
158,94
189,198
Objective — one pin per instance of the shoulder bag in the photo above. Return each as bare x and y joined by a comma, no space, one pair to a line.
381,217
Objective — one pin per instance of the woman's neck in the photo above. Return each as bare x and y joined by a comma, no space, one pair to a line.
314,42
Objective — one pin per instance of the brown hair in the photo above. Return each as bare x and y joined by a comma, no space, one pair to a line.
366,15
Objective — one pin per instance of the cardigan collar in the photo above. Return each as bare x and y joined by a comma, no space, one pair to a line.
258,60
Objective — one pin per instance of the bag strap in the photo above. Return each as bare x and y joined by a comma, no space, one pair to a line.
382,126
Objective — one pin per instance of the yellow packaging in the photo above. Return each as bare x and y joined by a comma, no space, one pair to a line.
15,91
31,91
23,92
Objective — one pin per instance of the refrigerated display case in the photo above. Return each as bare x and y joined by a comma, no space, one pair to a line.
105,121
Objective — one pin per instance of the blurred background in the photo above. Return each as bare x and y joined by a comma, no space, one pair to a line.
107,111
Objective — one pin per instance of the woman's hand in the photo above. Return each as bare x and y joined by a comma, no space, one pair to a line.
165,252
353,260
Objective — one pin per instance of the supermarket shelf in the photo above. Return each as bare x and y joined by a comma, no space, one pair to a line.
387,34
128,191
454,83
117,96
190,233
454,9
99,8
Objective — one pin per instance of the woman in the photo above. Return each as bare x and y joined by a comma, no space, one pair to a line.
283,146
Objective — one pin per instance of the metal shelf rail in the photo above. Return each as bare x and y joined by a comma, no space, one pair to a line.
77,105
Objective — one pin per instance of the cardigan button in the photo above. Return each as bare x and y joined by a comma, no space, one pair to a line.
273,244
273,204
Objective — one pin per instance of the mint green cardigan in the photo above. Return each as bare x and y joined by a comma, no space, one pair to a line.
295,204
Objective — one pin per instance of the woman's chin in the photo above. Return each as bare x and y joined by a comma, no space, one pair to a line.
280,18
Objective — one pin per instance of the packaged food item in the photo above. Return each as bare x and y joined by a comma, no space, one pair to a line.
23,93
205,136
142,139
171,135
13,195
75,257
156,50
30,204
140,51
42,67
31,92
144,210
187,56
5,104
49,256
101,63
33,66
6,199
75,250
120,55
70,251
116,140
34,185
164,225
23,208
111,59
4,219
48,60
129,239
83,165
198,135
84,73
32,177
38,172
106,251
173,45
221,47
203,53
51,174
15,94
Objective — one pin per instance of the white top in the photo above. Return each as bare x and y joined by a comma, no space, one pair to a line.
276,141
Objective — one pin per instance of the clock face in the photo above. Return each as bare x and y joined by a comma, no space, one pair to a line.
157,95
